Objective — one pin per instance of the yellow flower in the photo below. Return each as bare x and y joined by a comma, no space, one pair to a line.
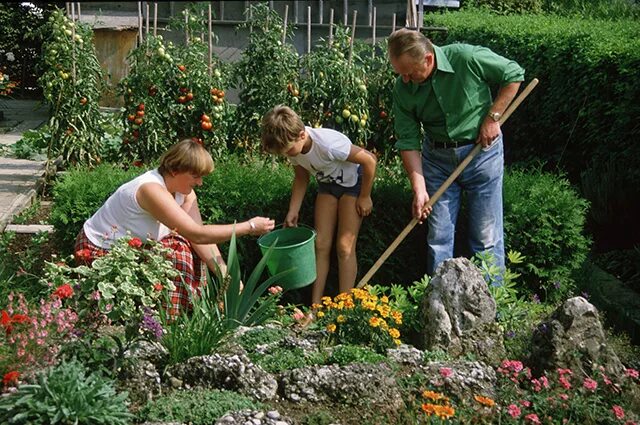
397,342
340,305
316,306
331,327
374,322
341,319
486,401
369,305
384,310
326,300
383,324
384,299
348,304
394,333
397,317
320,314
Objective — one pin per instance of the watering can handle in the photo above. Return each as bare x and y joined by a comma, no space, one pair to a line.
442,188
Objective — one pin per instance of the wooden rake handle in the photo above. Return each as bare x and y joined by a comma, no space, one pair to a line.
433,199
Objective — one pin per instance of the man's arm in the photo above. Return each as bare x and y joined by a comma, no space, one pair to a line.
490,128
412,161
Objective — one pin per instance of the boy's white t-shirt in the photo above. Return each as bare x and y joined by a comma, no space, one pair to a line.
121,213
327,158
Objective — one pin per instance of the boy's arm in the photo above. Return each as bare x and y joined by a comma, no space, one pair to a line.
368,162
300,183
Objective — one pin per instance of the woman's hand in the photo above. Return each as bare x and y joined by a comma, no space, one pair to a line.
260,225
364,205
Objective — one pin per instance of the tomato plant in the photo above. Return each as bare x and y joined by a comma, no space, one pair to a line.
266,75
71,82
166,93
334,91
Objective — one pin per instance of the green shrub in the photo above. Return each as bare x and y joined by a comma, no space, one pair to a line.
79,194
196,406
65,394
346,354
286,358
261,336
544,220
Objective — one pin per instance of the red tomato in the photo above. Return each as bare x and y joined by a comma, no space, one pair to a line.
138,121
383,114
182,67
189,96
131,117
205,117
141,107
182,99
206,125
83,100
140,114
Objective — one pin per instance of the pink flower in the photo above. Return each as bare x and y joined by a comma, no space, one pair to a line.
446,372
275,290
525,403
618,411
135,243
564,371
532,418
590,384
297,315
514,411
563,396
632,373
565,382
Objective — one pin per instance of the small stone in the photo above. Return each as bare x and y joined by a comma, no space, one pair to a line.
228,419
281,423
259,415
175,382
273,414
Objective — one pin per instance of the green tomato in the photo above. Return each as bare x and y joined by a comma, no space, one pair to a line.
363,123
362,87
217,73
355,118
339,119
346,113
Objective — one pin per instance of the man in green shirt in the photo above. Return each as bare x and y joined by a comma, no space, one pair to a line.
443,106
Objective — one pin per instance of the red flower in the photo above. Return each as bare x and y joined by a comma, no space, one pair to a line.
11,377
135,243
5,321
20,318
83,254
63,291
138,163
158,287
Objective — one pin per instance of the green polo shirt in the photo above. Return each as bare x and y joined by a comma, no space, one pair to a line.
452,103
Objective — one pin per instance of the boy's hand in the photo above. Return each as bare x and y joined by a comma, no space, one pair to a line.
364,205
291,220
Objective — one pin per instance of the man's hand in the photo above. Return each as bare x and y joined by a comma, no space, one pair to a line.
418,207
489,130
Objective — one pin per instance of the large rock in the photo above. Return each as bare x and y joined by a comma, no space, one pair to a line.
461,379
353,384
458,312
230,372
573,338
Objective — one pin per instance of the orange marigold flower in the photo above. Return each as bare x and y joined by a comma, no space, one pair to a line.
428,408
432,395
331,327
486,401
444,412
374,322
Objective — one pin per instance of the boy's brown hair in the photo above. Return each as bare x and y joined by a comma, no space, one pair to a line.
186,156
281,127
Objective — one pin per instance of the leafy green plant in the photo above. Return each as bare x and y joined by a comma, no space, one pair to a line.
71,86
261,336
285,358
65,394
126,284
347,354
360,318
544,219
267,67
33,144
197,406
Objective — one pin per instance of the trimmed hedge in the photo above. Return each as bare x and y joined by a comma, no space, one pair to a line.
543,214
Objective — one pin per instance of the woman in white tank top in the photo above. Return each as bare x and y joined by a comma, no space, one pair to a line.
161,205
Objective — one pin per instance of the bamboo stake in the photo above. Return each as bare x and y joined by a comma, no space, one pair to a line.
308,29
155,18
210,40
78,11
140,22
286,17
330,27
186,27
321,11
420,14
373,43
68,7
73,43
222,10
370,10
443,188
393,23
345,11
353,36
146,33
202,19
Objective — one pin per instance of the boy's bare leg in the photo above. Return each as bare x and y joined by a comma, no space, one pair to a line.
348,227
326,217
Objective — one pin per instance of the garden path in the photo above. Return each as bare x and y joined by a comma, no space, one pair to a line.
20,179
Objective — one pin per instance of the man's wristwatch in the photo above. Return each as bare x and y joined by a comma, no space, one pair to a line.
495,116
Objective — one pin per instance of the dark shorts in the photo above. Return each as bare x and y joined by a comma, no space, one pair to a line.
337,191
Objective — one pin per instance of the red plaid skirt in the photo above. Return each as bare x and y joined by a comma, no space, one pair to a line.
193,271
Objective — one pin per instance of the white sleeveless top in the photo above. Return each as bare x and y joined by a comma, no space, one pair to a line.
121,213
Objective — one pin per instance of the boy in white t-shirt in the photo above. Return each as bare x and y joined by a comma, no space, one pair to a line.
344,173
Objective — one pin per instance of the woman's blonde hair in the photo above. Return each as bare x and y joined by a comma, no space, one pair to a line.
281,127
409,42
186,156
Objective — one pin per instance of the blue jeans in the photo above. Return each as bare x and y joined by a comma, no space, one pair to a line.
481,181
